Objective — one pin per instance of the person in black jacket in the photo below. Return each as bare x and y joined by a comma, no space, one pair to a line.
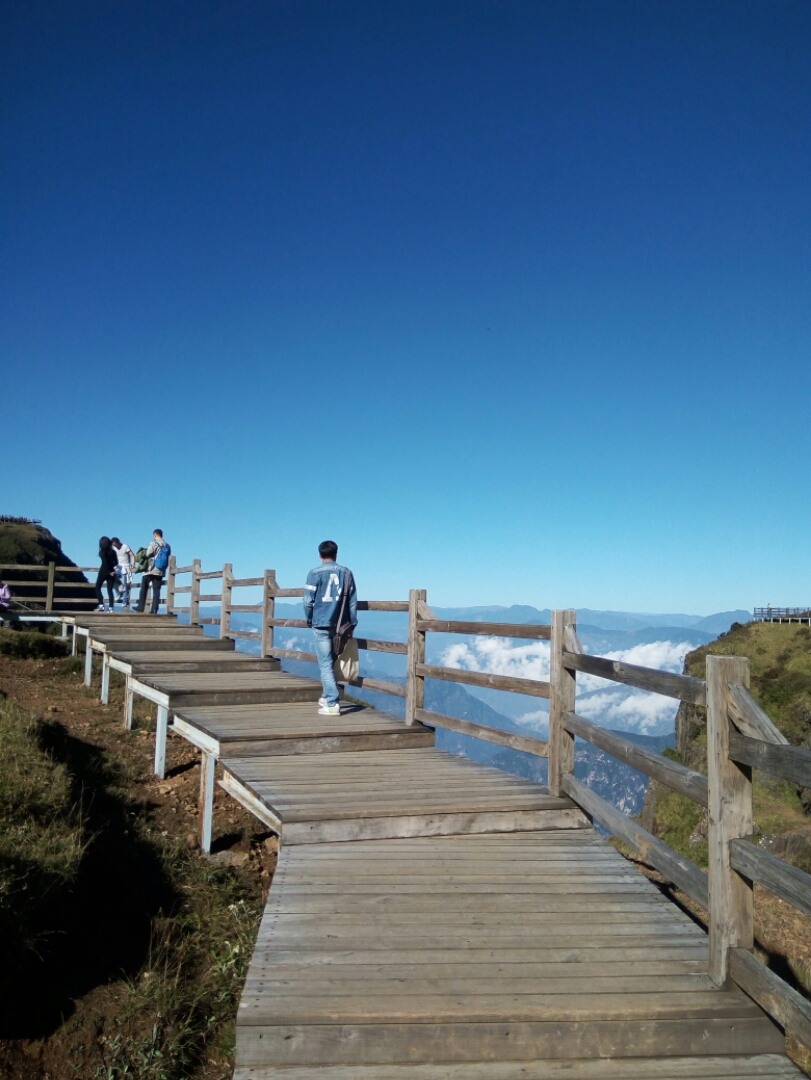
109,561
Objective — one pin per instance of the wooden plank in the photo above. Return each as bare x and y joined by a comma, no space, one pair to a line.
301,624
245,581
683,687
415,682
293,654
755,1067
781,878
670,773
563,688
209,575
532,687
245,607
731,910
227,597
788,1008
355,1043
380,685
529,631
430,824
268,611
209,598
382,646
480,731
790,763
382,605
750,719
49,594
675,867
194,601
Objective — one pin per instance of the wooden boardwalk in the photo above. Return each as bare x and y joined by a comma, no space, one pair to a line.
432,918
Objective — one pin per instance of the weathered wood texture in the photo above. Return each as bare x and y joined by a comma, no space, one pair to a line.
784,880
750,719
788,1008
531,687
731,912
439,952
675,867
790,763
415,682
480,731
563,688
509,630
683,687
686,781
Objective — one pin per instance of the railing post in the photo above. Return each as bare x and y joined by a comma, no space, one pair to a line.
561,700
730,817
49,596
194,595
415,684
268,611
171,573
225,604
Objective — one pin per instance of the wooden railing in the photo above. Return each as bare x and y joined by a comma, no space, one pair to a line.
740,736
48,596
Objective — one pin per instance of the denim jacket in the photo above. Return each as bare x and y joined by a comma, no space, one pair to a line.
323,593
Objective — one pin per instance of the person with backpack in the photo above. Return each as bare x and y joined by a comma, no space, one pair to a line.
106,575
123,572
157,555
329,591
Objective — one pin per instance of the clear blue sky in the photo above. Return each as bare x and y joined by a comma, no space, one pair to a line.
510,299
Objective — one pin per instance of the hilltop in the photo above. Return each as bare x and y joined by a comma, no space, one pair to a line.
25,543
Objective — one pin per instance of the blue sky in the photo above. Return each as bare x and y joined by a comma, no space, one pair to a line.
510,299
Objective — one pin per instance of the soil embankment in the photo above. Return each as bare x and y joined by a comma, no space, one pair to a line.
126,948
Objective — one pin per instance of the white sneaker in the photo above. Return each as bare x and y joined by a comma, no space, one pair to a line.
322,701
100,607
330,710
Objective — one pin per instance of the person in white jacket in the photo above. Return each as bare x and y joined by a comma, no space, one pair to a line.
123,572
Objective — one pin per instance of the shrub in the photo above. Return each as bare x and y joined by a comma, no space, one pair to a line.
31,645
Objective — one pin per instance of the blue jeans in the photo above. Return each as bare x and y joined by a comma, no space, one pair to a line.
323,648
124,584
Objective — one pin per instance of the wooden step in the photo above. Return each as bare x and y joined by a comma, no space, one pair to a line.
756,1067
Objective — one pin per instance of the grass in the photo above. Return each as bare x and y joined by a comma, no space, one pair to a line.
96,897
32,645
41,833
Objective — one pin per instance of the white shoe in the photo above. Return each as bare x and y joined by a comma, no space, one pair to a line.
330,710
100,607
322,702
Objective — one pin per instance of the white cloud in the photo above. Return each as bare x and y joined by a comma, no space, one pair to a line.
498,657
600,700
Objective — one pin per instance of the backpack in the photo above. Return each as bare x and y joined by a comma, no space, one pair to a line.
162,557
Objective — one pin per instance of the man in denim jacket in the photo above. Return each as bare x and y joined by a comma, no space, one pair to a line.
323,595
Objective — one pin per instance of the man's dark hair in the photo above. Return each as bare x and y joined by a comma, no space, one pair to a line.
115,540
328,549
159,532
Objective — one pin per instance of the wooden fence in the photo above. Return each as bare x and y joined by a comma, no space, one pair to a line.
740,736
47,596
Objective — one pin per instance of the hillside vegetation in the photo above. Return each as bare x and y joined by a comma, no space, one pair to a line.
34,545
780,658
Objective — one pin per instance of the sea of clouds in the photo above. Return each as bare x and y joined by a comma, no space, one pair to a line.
608,704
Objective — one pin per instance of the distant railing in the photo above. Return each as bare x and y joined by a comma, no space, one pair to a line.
782,614
48,596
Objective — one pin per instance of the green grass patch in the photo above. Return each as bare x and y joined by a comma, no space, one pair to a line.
32,645
41,833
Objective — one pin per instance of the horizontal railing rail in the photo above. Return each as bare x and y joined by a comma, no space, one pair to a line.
683,687
769,614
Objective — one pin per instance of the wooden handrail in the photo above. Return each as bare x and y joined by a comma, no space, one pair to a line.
750,719
683,687
678,777
382,605
675,867
238,583
790,763
514,630
775,996
526,743
398,647
209,574
209,598
532,687
246,607
777,875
